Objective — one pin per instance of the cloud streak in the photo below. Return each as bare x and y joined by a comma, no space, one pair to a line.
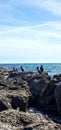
47,30
26,35
16,12
31,42
53,6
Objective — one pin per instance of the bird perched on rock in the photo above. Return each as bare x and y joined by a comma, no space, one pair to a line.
22,68
41,68
38,69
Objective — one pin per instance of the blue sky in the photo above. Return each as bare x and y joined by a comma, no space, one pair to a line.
30,31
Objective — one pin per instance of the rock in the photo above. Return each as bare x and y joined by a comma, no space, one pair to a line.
4,71
2,82
29,76
57,77
16,83
13,74
47,100
14,99
3,105
4,101
37,88
26,121
20,101
14,93
19,91
58,96
6,126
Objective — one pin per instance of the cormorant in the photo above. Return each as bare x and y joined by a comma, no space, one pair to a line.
22,69
41,68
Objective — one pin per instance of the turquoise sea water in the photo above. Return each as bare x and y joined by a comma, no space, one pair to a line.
51,68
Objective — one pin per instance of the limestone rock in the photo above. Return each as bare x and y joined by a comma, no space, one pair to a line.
37,88
58,96
47,100
26,121
14,99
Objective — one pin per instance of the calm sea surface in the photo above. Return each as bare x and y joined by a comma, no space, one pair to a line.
51,68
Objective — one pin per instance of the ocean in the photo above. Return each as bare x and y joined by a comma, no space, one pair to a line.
51,68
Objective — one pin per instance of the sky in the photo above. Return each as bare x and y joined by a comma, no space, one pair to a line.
30,31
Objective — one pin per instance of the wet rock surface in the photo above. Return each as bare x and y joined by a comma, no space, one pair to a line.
20,91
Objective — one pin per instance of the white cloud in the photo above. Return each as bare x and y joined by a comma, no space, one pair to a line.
38,43
53,6
29,51
35,32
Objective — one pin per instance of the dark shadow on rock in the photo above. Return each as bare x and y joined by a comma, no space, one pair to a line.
28,128
17,102
33,102
3,106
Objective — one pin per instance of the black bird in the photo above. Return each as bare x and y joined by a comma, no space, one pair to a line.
13,69
38,69
22,69
41,68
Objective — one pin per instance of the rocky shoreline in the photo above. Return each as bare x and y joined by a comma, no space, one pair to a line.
20,91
